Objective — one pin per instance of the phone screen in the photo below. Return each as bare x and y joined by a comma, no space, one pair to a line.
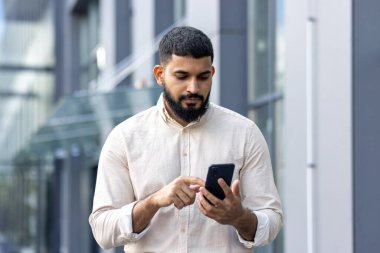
216,171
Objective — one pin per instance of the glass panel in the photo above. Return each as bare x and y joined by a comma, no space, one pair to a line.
22,225
179,10
280,47
25,103
26,88
266,65
260,48
261,117
26,33
26,64
89,38
84,36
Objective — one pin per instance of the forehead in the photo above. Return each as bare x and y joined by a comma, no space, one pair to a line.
188,63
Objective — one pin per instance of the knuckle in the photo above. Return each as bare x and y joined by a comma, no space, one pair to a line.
208,208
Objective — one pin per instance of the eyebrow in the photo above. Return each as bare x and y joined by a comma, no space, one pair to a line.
182,72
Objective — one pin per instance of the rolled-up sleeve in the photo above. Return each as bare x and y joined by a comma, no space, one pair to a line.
111,217
262,231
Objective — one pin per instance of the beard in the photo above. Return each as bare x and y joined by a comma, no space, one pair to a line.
190,113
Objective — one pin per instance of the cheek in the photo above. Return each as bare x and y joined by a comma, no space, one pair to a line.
176,87
175,90
205,89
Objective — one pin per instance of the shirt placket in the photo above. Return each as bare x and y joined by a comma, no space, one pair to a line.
184,214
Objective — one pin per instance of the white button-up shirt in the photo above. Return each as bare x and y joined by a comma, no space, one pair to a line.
149,150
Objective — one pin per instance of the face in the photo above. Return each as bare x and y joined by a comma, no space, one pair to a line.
187,84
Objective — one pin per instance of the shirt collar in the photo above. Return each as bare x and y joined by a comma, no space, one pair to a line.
161,108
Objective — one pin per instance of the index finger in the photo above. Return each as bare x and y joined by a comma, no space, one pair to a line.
193,180
226,189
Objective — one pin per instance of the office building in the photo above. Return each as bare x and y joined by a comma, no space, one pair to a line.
305,71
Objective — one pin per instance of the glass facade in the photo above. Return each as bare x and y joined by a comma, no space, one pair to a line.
26,78
26,88
265,82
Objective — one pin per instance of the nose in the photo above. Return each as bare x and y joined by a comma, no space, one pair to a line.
192,86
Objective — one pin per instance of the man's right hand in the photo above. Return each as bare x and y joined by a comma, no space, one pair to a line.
181,192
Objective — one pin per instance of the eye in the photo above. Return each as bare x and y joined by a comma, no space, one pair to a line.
204,77
181,77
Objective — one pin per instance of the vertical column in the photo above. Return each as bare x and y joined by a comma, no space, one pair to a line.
330,54
366,124
163,18
334,126
123,29
233,55
294,194
59,49
70,49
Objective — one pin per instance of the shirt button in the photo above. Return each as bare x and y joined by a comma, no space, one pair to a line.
183,230
184,154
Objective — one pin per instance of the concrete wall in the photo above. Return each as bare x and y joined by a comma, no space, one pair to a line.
318,130
334,126
294,185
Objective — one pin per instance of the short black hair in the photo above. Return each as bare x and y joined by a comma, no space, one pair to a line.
185,41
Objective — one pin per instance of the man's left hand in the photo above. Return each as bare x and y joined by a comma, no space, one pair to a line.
226,211
230,210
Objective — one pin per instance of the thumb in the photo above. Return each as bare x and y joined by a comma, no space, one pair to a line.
235,188
195,187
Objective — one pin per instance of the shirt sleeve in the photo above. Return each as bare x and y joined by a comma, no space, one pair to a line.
261,232
111,217
258,190
127,227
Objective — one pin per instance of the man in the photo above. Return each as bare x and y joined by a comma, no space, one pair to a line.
150,194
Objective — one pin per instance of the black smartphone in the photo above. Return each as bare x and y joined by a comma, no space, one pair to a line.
216,171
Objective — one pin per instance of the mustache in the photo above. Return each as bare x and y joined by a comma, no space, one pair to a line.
182,97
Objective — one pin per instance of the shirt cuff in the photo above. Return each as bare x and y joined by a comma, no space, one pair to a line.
262,231
127,227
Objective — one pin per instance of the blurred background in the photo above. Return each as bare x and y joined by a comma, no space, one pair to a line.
307,72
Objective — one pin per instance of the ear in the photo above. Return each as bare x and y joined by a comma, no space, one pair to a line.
212,70
158,71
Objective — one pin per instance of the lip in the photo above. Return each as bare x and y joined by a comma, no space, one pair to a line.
192,99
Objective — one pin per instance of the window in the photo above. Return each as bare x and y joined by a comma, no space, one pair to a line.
89,44
265,60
